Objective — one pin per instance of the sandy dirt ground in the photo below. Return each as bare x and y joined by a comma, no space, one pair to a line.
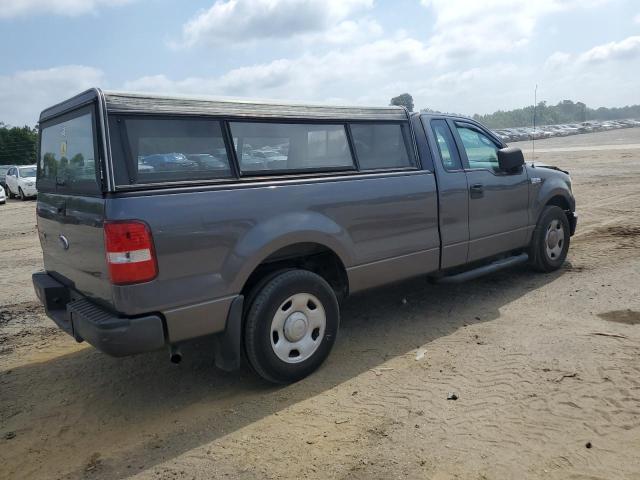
546,369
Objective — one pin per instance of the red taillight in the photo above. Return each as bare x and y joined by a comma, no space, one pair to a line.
130,254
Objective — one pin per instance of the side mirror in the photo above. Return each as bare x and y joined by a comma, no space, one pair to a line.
510,158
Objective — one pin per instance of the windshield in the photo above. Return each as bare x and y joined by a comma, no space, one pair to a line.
27,172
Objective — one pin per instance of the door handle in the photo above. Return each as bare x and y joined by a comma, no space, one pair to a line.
477,190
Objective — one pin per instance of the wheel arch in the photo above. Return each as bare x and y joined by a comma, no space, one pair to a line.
307,240
312,256
559,201
554,194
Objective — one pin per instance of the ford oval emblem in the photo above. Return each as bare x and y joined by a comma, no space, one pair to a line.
64,243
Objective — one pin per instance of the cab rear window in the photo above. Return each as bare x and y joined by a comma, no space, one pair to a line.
67,161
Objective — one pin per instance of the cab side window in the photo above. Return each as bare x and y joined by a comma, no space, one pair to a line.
481,152
446,145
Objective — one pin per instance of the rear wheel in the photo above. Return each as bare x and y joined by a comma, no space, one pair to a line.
9,194
550,242
291,326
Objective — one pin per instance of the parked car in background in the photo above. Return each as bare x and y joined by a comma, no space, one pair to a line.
3,173
208,161
169,162
503,135
21,181
519,134
3,197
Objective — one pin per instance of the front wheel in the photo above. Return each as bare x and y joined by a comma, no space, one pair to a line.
291,326
21,194
550,242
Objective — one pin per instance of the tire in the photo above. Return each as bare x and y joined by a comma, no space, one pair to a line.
21,194
291,326
548,251
9,194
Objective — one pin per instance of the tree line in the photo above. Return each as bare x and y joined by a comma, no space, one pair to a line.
566,111
17,145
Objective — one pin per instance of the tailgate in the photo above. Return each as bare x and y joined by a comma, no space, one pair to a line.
72,240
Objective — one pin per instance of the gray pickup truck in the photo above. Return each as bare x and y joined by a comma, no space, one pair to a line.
164,219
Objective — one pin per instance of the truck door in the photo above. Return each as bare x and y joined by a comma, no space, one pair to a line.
453,201
498,200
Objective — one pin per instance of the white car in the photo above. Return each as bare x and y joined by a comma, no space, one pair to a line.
3,198
21,181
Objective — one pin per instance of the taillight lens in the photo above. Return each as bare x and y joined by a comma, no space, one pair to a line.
130,254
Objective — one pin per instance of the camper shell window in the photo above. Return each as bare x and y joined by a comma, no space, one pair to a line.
67,162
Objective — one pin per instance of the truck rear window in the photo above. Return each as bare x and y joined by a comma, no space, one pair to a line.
67,160
166,150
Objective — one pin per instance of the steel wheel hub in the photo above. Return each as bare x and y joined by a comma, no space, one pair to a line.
298,327
554,239
295,326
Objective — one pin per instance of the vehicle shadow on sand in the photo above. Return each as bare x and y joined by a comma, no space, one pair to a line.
137,412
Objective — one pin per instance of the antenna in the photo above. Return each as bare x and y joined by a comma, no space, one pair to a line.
533,138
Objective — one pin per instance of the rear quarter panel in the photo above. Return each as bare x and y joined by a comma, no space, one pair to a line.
208,242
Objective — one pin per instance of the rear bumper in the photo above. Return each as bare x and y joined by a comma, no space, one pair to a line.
79,317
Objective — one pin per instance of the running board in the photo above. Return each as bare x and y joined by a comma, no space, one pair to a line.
485,269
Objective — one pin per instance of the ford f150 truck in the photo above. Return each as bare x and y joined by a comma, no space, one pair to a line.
164,219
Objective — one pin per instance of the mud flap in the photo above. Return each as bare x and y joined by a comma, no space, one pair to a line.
227,345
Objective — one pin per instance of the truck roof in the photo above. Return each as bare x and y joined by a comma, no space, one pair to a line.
130,102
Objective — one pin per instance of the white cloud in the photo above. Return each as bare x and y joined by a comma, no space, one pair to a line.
229,22
372,73
603,75
465,29
25,94
376,68
626,49
71,8
475,60
622,50
557,60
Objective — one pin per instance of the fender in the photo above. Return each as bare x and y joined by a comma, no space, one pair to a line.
553,184
278,232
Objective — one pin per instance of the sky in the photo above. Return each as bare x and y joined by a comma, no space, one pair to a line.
460,56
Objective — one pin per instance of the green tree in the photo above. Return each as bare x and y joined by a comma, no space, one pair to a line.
404,100
17,145
566,111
